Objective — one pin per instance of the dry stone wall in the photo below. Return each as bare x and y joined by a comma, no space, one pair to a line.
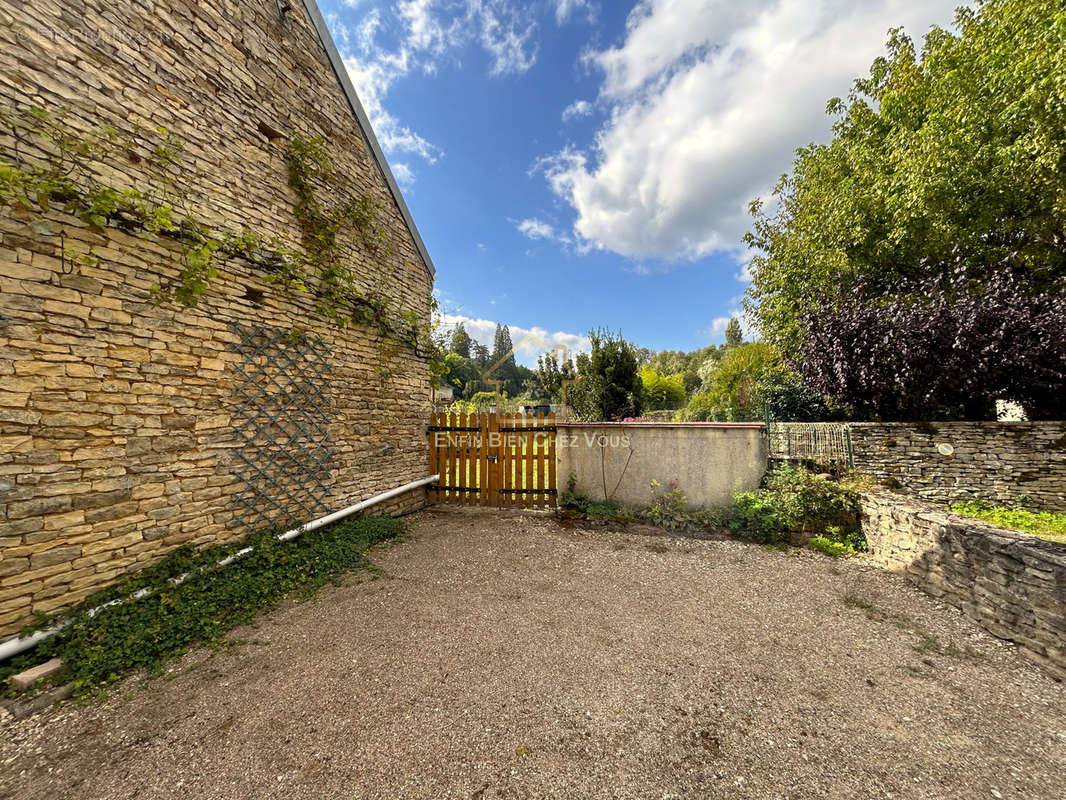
1005,462
1013,584
117,416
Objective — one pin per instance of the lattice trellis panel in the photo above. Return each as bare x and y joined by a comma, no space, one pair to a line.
282,389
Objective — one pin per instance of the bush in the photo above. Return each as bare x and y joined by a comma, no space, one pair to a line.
576,503
669,509
794,503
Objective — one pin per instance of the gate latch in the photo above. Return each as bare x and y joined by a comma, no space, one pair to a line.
493,459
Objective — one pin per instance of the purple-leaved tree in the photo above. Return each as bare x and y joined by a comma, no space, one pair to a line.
942,347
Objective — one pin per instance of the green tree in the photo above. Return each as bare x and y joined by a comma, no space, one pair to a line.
662,391
609,387
461,375
480,355
947,159
733,392
502,362
783,393
551,374
460,343
733,334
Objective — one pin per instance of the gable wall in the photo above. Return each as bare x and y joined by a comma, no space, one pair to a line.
117,416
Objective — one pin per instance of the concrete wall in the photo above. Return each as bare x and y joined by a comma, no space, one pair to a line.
709,461
1006,462
117,416
1014,585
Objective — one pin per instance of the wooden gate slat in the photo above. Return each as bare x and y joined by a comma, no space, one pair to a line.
538,459
492,474
515,471
507,459
529,498
434,457
494,460
460,460
551,482
453,457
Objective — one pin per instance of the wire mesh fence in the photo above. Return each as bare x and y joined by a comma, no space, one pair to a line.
825,443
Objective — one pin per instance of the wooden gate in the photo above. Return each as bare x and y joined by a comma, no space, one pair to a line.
498,460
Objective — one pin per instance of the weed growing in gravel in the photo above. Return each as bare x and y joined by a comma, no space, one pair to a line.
669,509
146,633
927,642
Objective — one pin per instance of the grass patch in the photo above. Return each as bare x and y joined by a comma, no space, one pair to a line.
831,547
1042,524
147,633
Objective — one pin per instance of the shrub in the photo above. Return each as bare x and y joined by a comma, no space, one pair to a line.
794,503
577,503
669,509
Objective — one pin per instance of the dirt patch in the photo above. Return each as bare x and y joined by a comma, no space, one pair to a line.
510,657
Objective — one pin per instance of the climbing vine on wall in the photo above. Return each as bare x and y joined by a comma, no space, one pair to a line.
50,166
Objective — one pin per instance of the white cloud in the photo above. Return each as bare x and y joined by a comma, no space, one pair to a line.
539,229
405,176
506,34
429,31
718,326
536,229
578,108
707,101
531,342
564,9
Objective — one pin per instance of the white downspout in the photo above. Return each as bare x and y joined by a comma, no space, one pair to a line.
17,644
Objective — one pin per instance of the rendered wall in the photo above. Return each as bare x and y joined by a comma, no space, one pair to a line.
709,461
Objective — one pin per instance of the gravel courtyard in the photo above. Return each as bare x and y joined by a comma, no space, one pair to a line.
510,656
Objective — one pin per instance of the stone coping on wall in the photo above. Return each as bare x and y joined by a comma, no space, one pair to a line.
1013,584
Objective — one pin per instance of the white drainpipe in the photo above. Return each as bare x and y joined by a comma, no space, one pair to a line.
17,644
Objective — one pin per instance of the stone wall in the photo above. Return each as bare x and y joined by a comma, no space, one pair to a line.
709,461
1007,462
1013,584
117,416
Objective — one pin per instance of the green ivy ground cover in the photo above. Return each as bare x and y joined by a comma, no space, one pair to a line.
1043,524
147,633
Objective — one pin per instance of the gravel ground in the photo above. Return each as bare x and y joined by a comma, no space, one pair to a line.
516,656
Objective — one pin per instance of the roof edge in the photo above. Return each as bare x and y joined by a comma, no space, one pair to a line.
341,72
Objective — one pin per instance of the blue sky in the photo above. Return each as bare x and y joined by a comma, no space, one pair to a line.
574,164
